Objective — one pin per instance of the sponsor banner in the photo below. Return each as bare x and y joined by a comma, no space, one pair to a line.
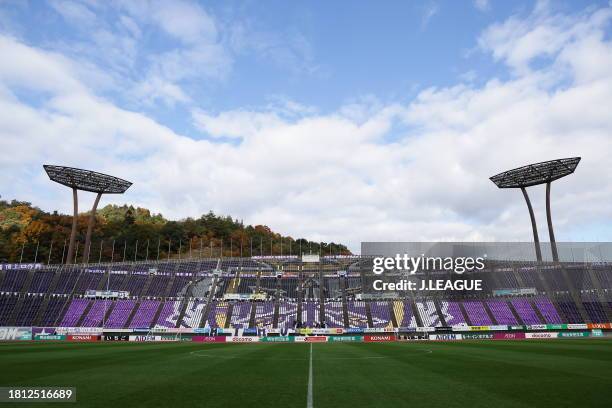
83,337
315,339
202,330
116,337
556,327
479,328
15,333
20,266
209,339
461,328
517,327
445,337
107,294
354,330
49,337
345,338
380,330
575,326
282,332
305,331
599,325
373,338
536,327
425,329
145,338
250,332
276,339
596,333
477,336
498,328
508,336
79,330
574,334
541,335
242,339
45,331
407,329
221,330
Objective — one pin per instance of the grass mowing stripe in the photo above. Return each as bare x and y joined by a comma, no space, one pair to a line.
309,397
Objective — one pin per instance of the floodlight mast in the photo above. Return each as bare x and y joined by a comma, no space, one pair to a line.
532,175
86,180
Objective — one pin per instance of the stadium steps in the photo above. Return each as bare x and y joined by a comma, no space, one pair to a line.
345,318
439,312
575,297
257,286
105,281
54,281
321,283
17,310
228,318
518,277
133,313
85,313
300,292
544,282
157,313
465,314
276,314
211,296
62,312
496,283
185,302
416,313
41,311
514,313
489,313
109,311
369,314
145,287
27,282
537,311
600,295
169,286
392,313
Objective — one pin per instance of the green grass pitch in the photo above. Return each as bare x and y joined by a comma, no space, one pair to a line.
560,373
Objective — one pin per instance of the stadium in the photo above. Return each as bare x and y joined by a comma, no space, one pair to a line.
305,204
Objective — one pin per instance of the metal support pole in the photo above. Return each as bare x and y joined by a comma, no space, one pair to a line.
50,251
36,253
551,233
90,225
534,227
75,215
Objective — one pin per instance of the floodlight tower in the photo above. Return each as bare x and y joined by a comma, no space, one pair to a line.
86,180
532,175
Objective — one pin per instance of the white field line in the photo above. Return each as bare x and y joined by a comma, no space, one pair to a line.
309,398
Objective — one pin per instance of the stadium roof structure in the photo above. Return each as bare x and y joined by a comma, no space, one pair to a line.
533,175
537,173
87,180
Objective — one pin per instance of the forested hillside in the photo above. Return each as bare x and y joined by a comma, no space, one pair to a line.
124,232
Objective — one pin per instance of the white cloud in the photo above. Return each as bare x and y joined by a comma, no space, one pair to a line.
482,5
429,11
369,171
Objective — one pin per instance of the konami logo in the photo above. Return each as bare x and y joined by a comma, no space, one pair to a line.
83,337
378,338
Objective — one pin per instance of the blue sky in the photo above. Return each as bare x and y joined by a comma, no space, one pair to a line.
276,113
